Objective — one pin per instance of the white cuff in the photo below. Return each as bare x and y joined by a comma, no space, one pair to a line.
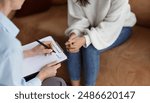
77,32
35,82
88,41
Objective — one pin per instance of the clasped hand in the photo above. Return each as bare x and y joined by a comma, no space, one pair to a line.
74,43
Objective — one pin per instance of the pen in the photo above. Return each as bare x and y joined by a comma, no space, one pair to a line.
47,47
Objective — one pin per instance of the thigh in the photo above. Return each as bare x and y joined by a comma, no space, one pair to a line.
124,36
54,81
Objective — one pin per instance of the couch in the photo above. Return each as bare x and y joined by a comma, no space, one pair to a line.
126,65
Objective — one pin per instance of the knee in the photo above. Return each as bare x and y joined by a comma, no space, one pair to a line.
54,81
90,50
61,81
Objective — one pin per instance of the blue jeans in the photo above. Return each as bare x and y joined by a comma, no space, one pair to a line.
87,60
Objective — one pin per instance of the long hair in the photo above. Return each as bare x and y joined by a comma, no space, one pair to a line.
83,2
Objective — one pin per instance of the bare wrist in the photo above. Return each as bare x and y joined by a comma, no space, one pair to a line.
40,76
84,40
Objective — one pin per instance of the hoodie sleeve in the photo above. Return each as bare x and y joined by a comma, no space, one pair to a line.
109,29
77,21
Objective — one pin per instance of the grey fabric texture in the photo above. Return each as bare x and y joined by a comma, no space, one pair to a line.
54,81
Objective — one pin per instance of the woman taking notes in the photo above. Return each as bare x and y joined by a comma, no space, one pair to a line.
11,54
94,27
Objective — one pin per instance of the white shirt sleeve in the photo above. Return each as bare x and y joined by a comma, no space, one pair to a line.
33,82
109,29
77,21
11,76
11,63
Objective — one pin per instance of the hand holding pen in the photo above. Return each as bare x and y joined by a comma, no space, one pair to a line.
43,48
47,46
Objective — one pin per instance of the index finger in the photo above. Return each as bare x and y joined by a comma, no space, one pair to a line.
73,35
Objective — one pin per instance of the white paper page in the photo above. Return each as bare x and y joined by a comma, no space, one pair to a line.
34,64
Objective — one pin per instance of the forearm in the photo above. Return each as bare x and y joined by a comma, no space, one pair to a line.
108,30
77,21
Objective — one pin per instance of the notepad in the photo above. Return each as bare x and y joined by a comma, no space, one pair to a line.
34,64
